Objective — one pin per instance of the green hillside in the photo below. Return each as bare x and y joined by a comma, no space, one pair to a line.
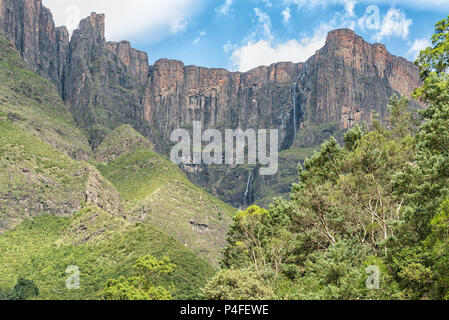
35,178
57,211
42,248
156,192
35,106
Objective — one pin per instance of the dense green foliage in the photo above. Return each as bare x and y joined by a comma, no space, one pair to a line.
368,220
237,285
144,286
23,290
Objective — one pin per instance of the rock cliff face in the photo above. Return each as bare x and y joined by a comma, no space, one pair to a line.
349,79
220,99
107,84
30,27
342,84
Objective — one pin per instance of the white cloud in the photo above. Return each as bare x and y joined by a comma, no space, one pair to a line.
267,3
428,5
349,7
152,19
225,8
261,47
265,52
264,22
432,5
311,4
198,39
417,46
395,24
287,15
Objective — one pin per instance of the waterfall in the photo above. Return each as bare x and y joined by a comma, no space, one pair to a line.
247,200
294,110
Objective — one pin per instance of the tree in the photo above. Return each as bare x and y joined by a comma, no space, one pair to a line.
426,180
24,289
234,284
145,285
438,245
246,238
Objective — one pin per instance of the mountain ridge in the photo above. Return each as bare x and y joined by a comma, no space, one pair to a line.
107,84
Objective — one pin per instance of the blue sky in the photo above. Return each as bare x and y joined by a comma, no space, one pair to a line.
242,34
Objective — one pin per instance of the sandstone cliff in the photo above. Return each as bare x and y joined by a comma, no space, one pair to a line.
107,84
220,99
349,79
30,27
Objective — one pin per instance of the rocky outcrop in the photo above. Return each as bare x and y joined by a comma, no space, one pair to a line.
349,79
30,27
105,83
108,84
218,98
100,192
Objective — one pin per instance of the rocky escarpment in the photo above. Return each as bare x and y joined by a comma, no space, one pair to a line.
346,82
30,27
260,98
349,80
107,84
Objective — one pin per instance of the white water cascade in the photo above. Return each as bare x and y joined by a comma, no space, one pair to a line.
246,199
294,110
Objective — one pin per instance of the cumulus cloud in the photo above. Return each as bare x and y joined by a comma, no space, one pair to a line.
416,4
249,55
153,19
396,24
225,8
432,5
417,46
286,14
198,39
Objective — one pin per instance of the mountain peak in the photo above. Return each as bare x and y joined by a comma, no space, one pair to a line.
93,26
341,33
121,141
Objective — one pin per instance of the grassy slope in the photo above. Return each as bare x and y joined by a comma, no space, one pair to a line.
45,251
156,191
40,183
33,173
35,106
36,178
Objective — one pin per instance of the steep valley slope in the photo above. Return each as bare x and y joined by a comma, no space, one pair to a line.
58,209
